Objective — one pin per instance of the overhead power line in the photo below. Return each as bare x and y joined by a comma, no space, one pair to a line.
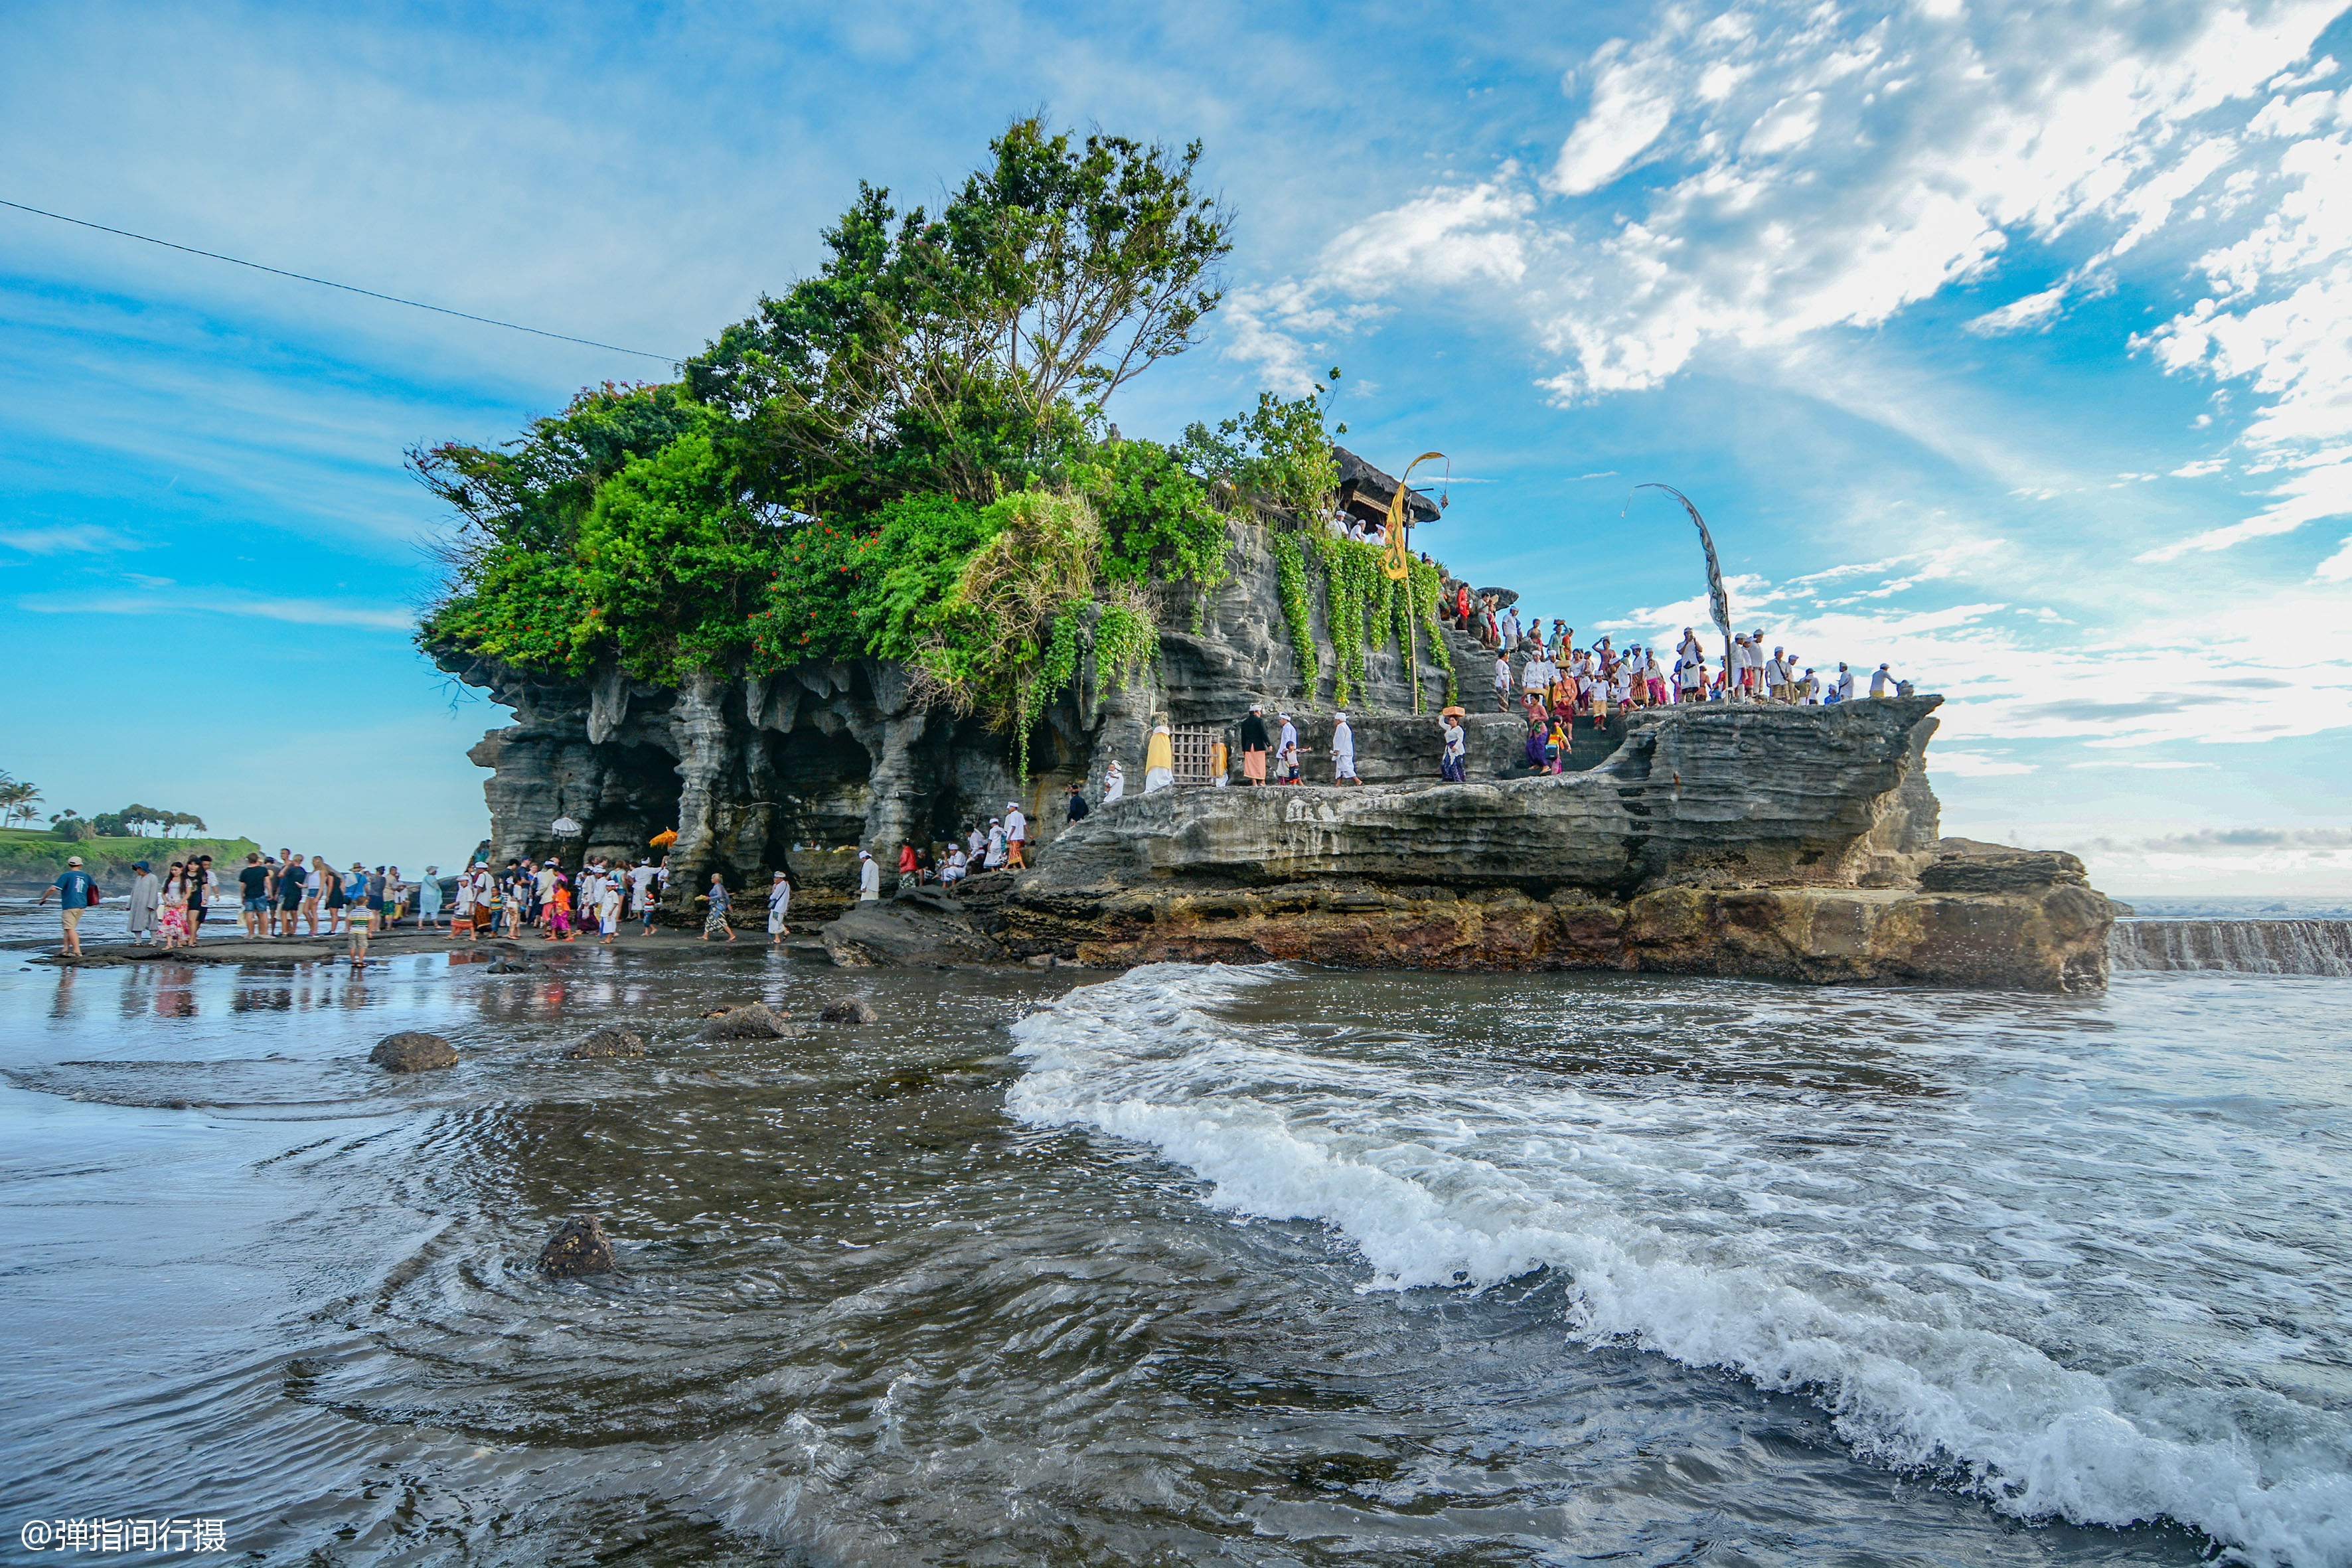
346,288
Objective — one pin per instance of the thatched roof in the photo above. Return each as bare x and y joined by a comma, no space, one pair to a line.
1365,492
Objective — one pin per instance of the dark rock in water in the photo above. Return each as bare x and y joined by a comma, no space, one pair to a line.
752,1023
1039,961
849,1010
508,966
612,1040
580,1248
916,932
413,1051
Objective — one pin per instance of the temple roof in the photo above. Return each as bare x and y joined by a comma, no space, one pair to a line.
1365,492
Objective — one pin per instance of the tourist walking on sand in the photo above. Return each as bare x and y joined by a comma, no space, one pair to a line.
1343,751
77,892
716,920
174,914
779,904
253,892
1016,836
1160,757
608,908
428,899
1255,743
870,875
359,916
1114,782
146,900
203,887
288,894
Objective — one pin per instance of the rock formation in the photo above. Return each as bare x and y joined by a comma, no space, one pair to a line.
1799,843
412,1050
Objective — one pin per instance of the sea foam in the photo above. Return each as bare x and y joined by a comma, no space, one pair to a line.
1686,1235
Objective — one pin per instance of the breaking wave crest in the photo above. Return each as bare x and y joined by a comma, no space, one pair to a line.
1689,1231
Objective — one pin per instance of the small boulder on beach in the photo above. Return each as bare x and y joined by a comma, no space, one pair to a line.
411,1050
580,1248
752,1023
849,1010
612,1040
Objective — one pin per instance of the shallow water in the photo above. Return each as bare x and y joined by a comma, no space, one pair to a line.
1274,1266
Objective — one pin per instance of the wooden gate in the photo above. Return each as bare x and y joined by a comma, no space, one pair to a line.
1190,748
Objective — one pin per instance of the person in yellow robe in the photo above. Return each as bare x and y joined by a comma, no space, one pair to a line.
1159,760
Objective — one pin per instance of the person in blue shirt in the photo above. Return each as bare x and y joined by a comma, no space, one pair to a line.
76,891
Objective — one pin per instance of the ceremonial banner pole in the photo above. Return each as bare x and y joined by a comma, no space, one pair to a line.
1397,564
1718,602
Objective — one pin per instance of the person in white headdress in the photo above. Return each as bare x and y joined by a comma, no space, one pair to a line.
1114,782
1159,760
995,846
1343,752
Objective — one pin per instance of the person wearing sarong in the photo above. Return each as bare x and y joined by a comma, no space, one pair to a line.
1113,783
1159,758
1452,764
1343,752
1221,763
1254,744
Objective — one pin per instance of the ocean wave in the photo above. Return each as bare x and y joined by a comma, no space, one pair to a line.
1693,1241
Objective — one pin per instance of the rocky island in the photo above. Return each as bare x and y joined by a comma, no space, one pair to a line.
1798,843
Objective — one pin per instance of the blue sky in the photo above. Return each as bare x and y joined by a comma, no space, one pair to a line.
2009,343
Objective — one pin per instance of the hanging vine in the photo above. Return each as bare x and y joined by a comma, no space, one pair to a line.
1354,587
1125,642
1056,667
1428,583
1290,575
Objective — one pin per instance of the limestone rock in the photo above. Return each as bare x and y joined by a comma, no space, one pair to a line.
754,1022
849,1010
579,1248
1970,866
411,1050
612,1040
924,931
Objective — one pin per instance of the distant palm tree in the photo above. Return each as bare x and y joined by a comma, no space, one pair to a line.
17,799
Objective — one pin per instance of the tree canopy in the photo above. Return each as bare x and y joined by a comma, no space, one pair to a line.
904,455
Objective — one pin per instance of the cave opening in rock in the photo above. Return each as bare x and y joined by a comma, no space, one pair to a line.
820,790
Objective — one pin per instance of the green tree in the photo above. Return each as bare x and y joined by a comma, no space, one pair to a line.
968,352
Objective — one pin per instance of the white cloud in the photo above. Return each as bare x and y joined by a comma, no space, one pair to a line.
63,539
1754,177
300,611
1632,103
1974,764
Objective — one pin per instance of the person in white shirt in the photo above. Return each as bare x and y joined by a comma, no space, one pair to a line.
1113,783
608,905
976,841
995,846
953,871
779,904
1016,835
1842,689
1503,681
1880,680
1809,690
1453,761
869,879
1343,752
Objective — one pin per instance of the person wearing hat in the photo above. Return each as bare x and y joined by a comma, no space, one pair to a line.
869,879
1343,751
1016,836
779,904
1159,758
992,854
1880,680
1255,743
76,891
146,899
